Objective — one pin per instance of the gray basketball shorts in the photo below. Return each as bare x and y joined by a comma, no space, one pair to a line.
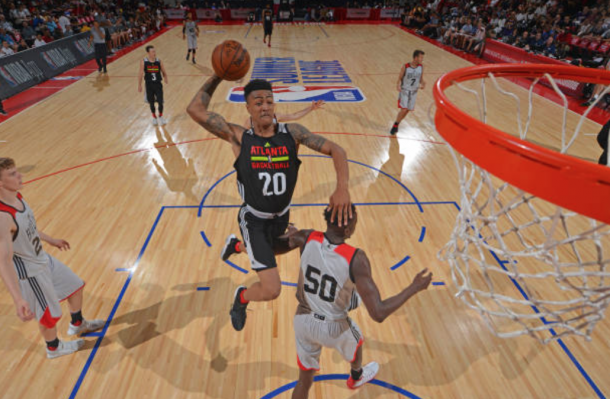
312,334
45,291
406,99
191,42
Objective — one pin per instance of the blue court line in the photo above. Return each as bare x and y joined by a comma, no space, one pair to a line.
324,31
563,346
402,262
438,283
317,204
210,190
340,377
289,284
203,288
248,32
422,234
205,239
92,334
122,269
114,308
234,266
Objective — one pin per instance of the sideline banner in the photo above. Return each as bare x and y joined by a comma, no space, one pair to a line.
358,13
498,52
241,13
174,13
31,67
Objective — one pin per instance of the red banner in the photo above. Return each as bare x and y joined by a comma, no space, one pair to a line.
358,13
498,52
204,13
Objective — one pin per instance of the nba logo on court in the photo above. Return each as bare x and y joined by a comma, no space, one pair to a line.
310,81
296,94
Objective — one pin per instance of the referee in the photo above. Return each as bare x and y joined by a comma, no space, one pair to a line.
153,72
98,37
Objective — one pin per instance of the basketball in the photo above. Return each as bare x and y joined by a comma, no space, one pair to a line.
230,60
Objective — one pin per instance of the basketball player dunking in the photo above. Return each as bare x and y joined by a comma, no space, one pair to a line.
267,166
153,72
37,281
333,278
190,32
267,26
410,80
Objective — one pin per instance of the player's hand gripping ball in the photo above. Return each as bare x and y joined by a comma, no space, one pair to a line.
230,60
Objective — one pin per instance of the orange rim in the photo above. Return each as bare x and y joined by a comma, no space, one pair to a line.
572,183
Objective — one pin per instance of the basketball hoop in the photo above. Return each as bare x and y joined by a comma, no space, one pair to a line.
529,215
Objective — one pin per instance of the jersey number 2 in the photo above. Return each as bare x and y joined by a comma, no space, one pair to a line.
279,183
37,245
317,284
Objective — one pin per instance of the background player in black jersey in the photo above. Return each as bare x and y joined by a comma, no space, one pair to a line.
153,72
267,167
267,26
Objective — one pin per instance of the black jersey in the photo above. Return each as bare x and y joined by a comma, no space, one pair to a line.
268,21
267,170
152,71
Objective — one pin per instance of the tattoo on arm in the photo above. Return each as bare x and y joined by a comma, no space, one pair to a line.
303,136
218,126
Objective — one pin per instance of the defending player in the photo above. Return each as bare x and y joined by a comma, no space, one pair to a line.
267,26
190,32
267,167
37,281
153,72
410,80
333,278
315,105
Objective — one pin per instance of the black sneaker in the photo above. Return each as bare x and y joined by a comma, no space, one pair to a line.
188,55
194,60
3,112
238,312
394,130
587,103
229,248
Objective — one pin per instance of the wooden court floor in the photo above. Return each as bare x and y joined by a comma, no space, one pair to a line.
150,253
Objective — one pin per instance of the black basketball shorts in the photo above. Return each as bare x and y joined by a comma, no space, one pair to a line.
154,93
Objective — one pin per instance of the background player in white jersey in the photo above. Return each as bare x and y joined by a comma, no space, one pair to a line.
410,80
36,280
315,105
190,32
333,278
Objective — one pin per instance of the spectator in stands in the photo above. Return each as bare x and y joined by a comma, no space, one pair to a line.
63,21
4,24
431,29
24,14
6,37
68,31
6,50
39,41
475,43
537,45
22,45
523,41
27,32
46,36
549,48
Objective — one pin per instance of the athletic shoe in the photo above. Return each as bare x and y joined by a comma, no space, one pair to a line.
3,112
65,348
194,60
269,44
587,103
86,326
229,248
155,123
188,55
394,130
238,312
162,121
105,70
368,373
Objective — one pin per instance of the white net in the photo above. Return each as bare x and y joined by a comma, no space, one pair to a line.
526,265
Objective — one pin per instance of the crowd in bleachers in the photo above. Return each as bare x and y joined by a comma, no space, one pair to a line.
30,23
564,30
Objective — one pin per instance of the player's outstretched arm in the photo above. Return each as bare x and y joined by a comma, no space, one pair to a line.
340,202
211,121
7,270
297,238
300,114
163,72
56,242
379,309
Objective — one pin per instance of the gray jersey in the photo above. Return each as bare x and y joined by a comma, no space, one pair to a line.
190,28
412,78
28,256
325,286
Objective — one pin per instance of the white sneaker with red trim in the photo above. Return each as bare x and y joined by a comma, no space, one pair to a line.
368,373
65,348
86,326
